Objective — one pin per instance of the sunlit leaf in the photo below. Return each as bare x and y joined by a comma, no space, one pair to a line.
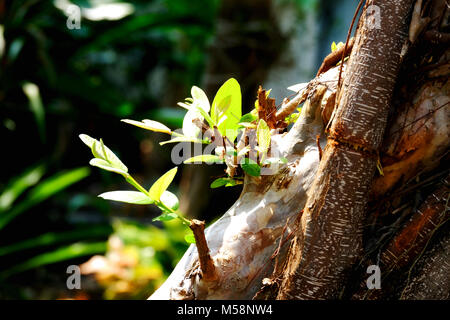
243,151
333,46
263,135
207,158
162,184
183,139
102,164
149,125
227,182
200,99
134,197
189,238
170,200
101,152
226,108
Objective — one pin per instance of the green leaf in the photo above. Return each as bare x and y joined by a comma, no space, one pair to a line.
149,125
248,117
61,254
227,182
207,158
166,216
135,197
170,200
207,117
251,167
52,238
263,134
226,108
102,152
200,99
162,184
189,238
19,184
102,164
43,191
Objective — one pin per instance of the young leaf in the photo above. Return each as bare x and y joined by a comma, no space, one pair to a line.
207,117
189,238
87,140
207,158
103,164
243,151
333,46
149,125
102,152
162,184
226,108
200,99
183,139
227,182
166,216
248,117
263,134
134,197
251,167
170,200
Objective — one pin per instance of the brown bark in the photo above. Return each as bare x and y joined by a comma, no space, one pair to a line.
329,242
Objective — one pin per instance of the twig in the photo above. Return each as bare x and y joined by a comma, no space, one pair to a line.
206,263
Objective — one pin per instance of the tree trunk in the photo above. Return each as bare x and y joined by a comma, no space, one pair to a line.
309,216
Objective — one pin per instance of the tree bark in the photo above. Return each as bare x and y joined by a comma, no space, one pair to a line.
329,237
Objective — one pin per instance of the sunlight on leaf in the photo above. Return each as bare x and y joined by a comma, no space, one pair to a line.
207,158
149,125
226,108
162,184
170,200
134,197
263,134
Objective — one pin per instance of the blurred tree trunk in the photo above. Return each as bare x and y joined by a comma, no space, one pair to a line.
311,230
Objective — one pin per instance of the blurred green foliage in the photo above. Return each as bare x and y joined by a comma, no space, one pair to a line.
56,82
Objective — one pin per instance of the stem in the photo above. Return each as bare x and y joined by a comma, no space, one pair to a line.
197,227
206,262
135,184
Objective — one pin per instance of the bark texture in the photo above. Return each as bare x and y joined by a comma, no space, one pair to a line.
329,238
258,228
432,281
